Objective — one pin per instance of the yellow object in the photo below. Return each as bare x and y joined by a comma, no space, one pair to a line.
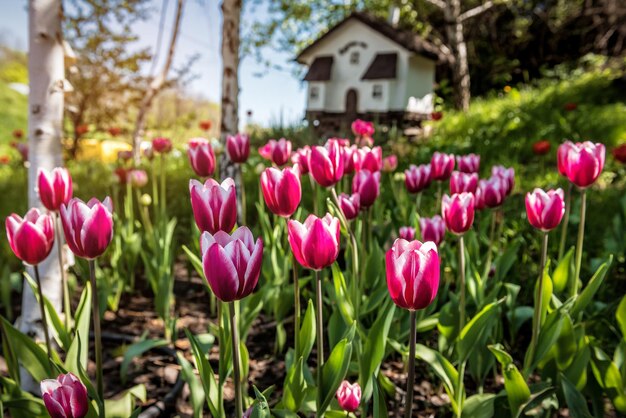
105,151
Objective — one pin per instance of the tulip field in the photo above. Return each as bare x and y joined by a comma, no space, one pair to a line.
332,280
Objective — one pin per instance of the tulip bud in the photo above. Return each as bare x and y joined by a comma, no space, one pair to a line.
433,229
441,166
88,227
65,397
301,157
458,212
238,147
278,152
350,205
407,233
584,163
145,200
541,147
619,153
367,185
412,273
231,263
507,175
32,237
469,163
463,182
281,190
417,178
138,178
54,188
349,396
201,157
326,163
362,128
161,145
545,210
491,192
368,159
315,244
214,205
390,163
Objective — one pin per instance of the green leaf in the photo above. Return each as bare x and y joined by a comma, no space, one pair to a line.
479,406
564,272
620,315
476,331
195,261
82,320
30,354
380,404
586,296
442,368
122,407
341,290
260,407
306,335
60,334
136,350
517,391
196,392
548,335
334,371
295,387
546,292
566,346
207,377
575,400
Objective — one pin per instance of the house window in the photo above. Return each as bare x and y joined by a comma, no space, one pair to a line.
314,93
377,91
354,57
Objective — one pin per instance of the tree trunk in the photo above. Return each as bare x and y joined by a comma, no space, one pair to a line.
155,86
456,40
45,124
231,15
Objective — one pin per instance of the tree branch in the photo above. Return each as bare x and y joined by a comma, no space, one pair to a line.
438,3
476,10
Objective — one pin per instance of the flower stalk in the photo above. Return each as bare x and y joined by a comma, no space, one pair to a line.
67,310
411,372
568,207
320,338
579,243
44,320
95,309
234,332
538,298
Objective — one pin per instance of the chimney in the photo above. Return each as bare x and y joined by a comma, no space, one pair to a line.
394,16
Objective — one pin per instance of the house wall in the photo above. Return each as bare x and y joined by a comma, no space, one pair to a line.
413,76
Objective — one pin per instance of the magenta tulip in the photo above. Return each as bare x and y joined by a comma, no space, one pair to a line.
407,233
350,205
65,397
201,157
561,157
161,145
390,163
458,212
367,185
545,209
54,188
301,158
469,163
463,182
349,396
412,273
315,244
277,152
507,175
214,205
433,229
281,190
31,238
348,153
417,178
441,166
238,147
88,227
362,128
368,159
584,163
491,192
326,163
231,263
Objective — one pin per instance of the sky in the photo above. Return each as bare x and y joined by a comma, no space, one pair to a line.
276,95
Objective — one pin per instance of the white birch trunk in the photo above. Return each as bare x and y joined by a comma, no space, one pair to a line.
45,123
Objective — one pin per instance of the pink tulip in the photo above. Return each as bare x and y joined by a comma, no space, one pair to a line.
433,229
88,227
417,178
238,147
469,163
350,205
507,175
368,159
584,163
315,244
301,157
463,182
561,157
55,187
201,157
32,237
367,185
349,396
231,263
545,210
458,212
214,205
412,273
491,192
326,163
277,152
65,397
161,145
137,178
390,163
344,142
281,190
441,166
407,233
362,128
348,153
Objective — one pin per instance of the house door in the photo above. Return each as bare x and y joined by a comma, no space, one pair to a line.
351,103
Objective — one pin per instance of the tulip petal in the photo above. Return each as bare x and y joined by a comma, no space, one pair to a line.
220,273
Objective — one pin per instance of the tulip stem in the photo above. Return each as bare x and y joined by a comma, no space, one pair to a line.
418,203
234,332
95,309
538,300
579,244
44,320
66,289
411,366
568,207
492,232
155,189
439,193
242,189
314,190
461,283
320,339
296,302
163,198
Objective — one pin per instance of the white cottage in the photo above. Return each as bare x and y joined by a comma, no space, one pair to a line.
367,68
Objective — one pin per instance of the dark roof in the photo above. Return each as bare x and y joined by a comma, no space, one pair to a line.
405,38
383,66
320,69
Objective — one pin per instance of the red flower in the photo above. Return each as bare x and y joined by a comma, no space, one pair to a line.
5,159
541,147
205,125
436,116
115,130
570,106
18,133
619,153
82,129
